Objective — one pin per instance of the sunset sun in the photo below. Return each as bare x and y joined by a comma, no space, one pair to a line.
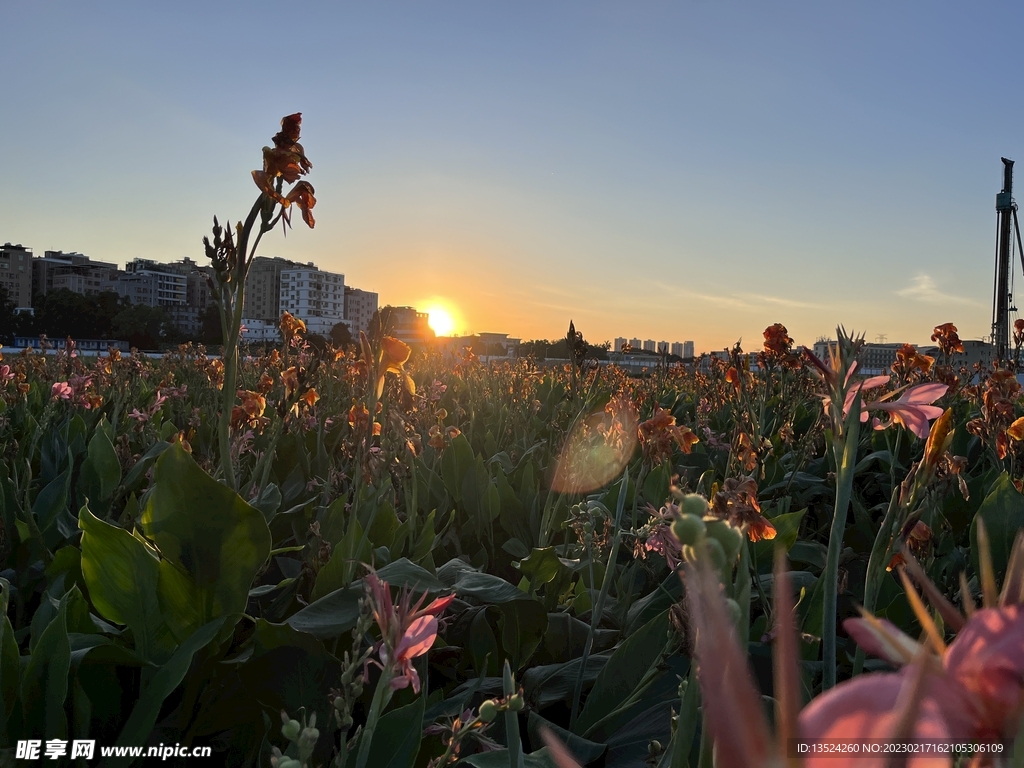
441,320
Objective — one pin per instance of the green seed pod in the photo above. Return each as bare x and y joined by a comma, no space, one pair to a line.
339,703
516,703
728,536
291,730
716,553
693,504
734,610
689,529
488,711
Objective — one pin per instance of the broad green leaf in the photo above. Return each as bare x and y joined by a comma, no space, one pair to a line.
1003,513
396,740
487,588
787,528
44,683
523,623
52,500
404,573
122,575
332,615
143,717
541,566
491,502
337,573
207,530
385,524
624,672
101,470
584,750
456,464
482,644
10,664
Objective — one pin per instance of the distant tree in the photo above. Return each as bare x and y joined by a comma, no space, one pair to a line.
143,327
209,326
341,336
537,348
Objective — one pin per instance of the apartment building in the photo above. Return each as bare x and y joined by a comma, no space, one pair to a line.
16,273
360,307
314,296
263,287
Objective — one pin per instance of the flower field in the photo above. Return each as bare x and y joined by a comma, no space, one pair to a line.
389,557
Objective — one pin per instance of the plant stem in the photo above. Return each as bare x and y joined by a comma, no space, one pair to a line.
381,696
844,448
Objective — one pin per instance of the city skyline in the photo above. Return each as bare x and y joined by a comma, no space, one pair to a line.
673,171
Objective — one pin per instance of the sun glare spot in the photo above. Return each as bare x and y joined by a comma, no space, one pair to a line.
441,321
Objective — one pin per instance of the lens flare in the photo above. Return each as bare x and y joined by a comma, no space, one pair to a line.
597,449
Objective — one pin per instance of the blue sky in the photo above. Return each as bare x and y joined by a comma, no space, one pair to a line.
688,170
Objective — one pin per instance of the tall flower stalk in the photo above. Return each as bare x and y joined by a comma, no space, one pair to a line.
283,163
845,418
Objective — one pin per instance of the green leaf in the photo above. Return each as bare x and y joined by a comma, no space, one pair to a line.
101,470
385,524
162,684
1003,513
44,683
207,530
456,463
332,615
396,740
541,566
52,500
10,663
584,750
122,575
487,588
499,758
624,672
523,623
352,549
405,573
787,529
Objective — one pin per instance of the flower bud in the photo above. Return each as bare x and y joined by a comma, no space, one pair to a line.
654,747
291,729
730,537
516,703
488,711
689,529
694,504
716,553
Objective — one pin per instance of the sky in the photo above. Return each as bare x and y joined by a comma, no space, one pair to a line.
670,170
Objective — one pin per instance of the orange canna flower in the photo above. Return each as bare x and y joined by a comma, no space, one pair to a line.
1016,430
777,340
946,337
285,160
737,503
266,383
302,195
732,376
290,379
396,353
659,432
290,326
310,397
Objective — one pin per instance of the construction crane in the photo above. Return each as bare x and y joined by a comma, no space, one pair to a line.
1002,299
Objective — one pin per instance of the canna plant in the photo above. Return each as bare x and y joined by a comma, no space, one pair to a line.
284,163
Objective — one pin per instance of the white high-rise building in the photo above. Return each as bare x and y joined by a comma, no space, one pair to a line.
359,309
620,342
314,296
677,348
650,345
687,350
636,344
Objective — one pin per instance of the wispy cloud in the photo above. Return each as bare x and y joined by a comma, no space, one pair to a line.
924,289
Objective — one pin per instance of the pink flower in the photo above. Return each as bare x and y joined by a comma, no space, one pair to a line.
407,631
5,373
61,390
138,416
913,410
